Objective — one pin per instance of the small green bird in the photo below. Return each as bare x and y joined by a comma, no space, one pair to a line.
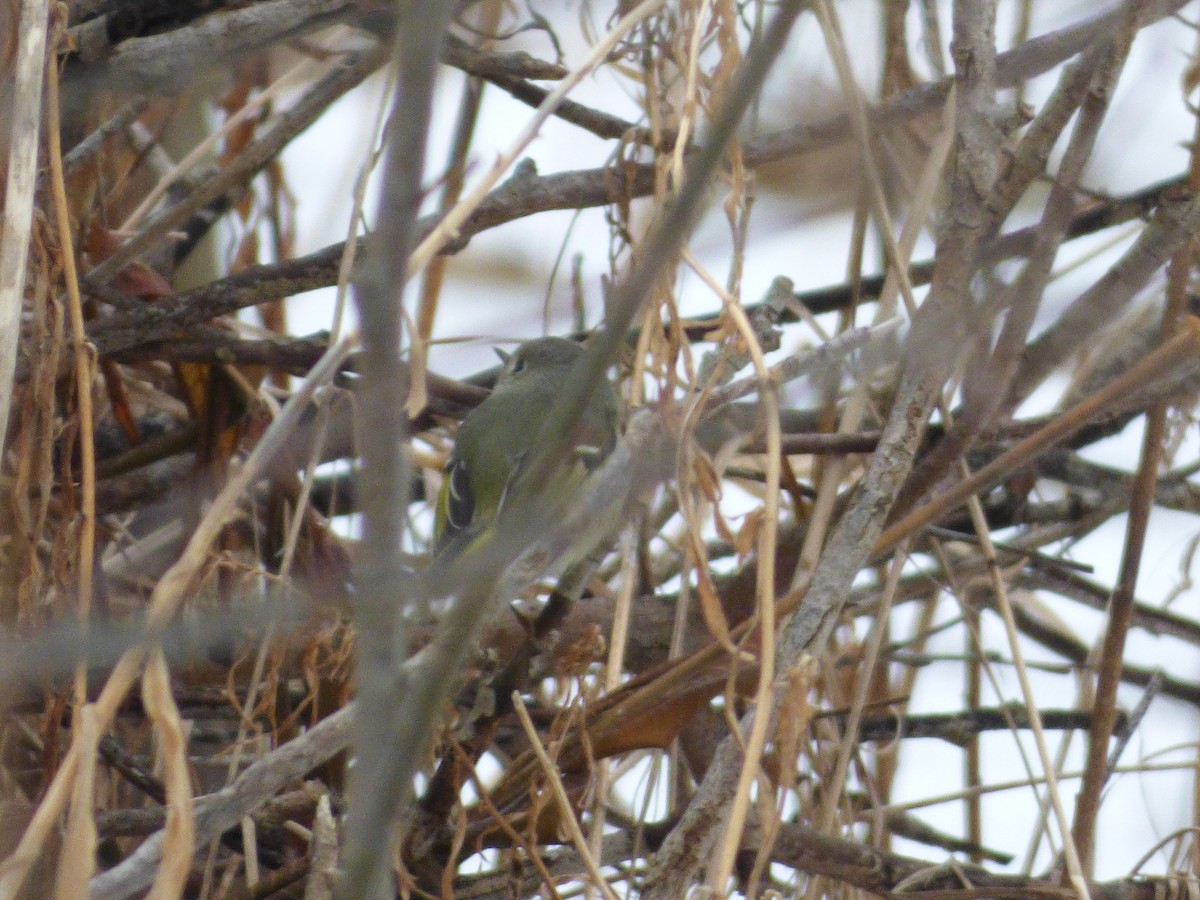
498,438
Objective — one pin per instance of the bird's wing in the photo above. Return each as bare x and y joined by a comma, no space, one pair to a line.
456,503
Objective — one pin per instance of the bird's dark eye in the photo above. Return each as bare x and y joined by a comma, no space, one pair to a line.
517,364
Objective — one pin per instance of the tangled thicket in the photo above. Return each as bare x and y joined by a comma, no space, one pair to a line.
826,502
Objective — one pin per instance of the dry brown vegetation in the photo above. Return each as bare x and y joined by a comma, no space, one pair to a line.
825,503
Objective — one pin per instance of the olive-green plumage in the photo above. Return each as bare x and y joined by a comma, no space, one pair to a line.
498,437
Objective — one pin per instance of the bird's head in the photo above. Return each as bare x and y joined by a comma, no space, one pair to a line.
538,357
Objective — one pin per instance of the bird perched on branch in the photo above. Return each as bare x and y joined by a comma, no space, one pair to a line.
498,439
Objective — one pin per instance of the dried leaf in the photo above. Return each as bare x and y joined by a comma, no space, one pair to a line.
747,536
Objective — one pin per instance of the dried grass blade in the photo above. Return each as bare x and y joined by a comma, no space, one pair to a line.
179,842
78,859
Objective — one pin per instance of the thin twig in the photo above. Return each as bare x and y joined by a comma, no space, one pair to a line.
567,814
83,367
1121,606
217,812
246,164
764,608
388,744
1179,351
1076,872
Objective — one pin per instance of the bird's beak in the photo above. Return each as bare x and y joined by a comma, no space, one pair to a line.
504,357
